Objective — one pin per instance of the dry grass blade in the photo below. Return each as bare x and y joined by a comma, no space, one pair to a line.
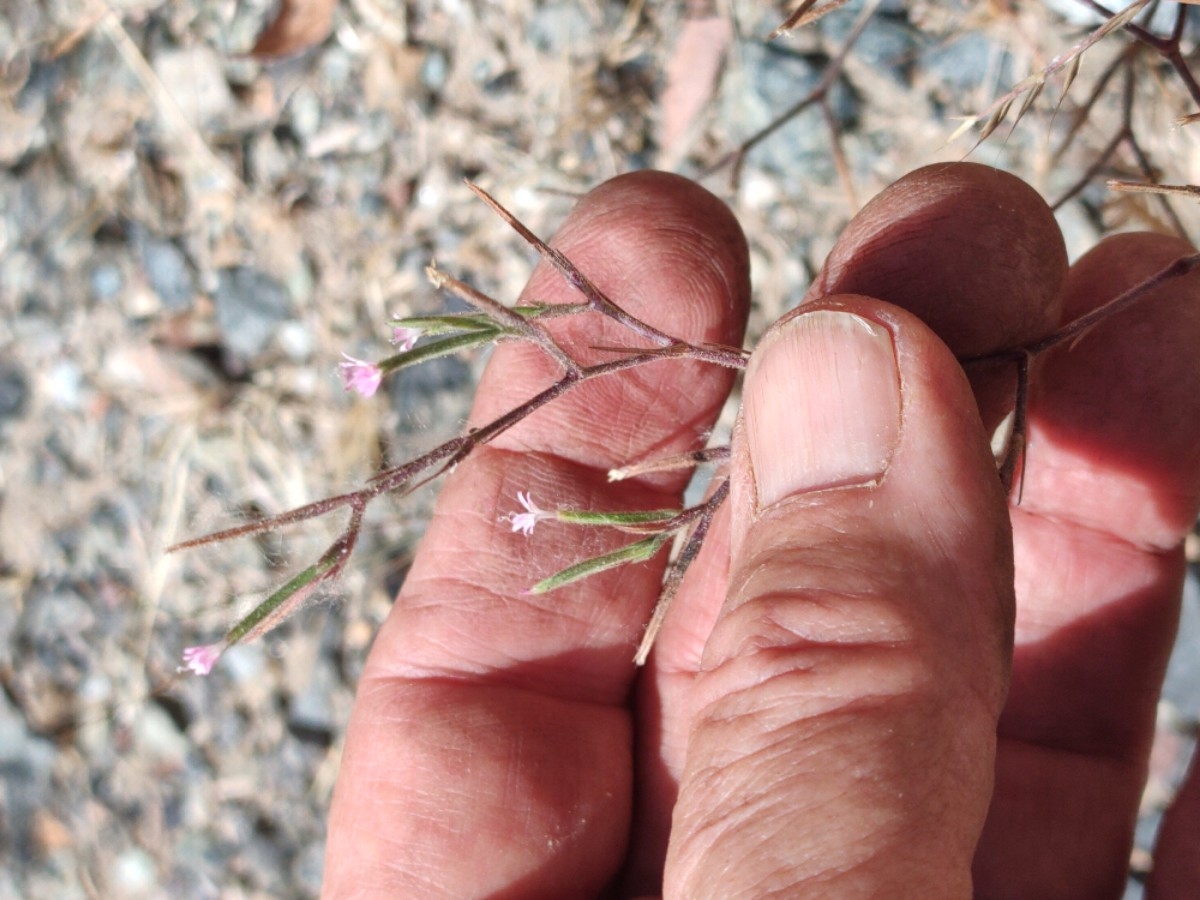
1069,60
806,15
1069,75
198,154
692,76
1028,101
994,121
1135,187
670,463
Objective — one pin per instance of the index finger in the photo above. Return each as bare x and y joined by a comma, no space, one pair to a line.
490,721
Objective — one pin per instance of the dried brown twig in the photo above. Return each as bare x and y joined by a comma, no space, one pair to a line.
1032,86
1168,48
819,95
1126,136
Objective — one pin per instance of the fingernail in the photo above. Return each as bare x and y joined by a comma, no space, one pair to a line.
822,405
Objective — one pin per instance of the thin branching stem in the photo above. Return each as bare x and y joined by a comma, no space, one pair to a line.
673,578
595,297
1084,111
1166,47
512,321
407,476
1124,135
1073,331
819,94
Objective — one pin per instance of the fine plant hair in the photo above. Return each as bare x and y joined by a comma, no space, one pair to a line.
422,338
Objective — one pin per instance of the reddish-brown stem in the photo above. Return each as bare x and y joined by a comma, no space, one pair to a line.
596,298
1166,47
1125,135
502,315
673,578
1073,331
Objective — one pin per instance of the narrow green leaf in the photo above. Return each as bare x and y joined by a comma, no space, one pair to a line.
306,579
637,552
447,324
593,517
550,310
443,347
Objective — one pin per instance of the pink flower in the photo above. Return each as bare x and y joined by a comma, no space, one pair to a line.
200,660
405,338
524,522
360,376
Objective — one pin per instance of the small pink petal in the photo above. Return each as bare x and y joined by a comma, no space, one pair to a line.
200,660
360,376
524,522
405,338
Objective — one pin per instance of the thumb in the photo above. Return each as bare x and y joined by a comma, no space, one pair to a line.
844,716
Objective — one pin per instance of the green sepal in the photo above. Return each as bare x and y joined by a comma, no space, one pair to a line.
637,552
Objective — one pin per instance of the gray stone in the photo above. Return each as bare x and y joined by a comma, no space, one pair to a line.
26,763
312,708
166,269
766,85
887,43
251,305
14,392
194,78
964,62
1182,684
304,112
308,867
557,27
106,281
434,69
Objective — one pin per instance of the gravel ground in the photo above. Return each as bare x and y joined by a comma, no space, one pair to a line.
190,237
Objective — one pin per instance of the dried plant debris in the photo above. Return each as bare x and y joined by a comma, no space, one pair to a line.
298,25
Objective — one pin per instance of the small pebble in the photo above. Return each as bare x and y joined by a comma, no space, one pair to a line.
251,305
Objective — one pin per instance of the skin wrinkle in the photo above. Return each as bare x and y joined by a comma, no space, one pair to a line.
1060,471
831,574
817,561
808,706
681,236
826,625
760,806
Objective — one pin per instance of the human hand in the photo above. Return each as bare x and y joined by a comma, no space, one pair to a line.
825,710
